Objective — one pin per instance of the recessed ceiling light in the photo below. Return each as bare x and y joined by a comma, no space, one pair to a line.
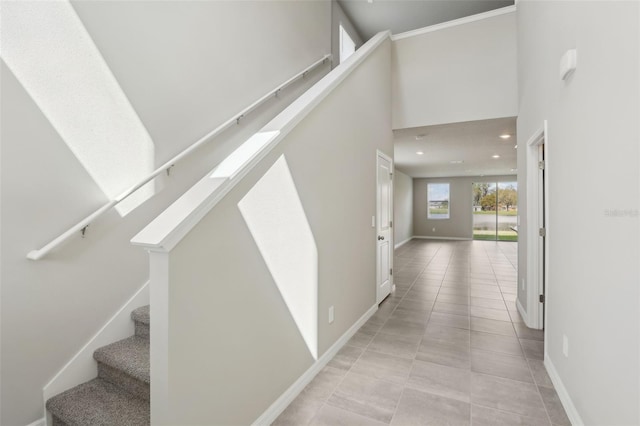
420,137
456,161
515,147
505,136
495,156
419,152
514,170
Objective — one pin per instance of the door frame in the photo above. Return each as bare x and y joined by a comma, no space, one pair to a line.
377,218
537,248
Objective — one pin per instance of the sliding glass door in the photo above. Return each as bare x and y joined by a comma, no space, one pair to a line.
495,211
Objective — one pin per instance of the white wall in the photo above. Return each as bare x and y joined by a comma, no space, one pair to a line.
593,153
231,336
460,222
338,17
461,73
402,207
185,67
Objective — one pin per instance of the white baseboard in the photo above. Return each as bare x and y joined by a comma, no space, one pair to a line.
298,386
423,237
524,315
400,244
565,399
39,422
82,367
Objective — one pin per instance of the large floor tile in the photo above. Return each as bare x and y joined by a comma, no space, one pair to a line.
451,308
424,409
345,358
495,364
492,326
533,348
484,416
436,333
399,327
496,343
334,416
507,395
488,303
438,379
367,396
300,412
400,346
383,366
445,354
450,320
494,314
539,372
323,385
554,407
525,332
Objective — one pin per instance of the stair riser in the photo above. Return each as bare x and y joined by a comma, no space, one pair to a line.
142,329
124,381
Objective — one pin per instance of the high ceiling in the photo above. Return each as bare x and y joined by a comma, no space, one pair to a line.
372,16
474,143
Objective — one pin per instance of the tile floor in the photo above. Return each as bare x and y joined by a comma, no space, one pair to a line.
448,347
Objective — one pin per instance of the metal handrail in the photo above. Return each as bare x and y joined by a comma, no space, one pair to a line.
235,119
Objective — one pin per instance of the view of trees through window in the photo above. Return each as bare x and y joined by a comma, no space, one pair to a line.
495,211
438,201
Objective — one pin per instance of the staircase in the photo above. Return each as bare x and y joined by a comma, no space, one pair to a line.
120,393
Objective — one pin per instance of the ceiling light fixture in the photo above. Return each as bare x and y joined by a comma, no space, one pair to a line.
514,170
456,161
495,156
420,137
419,152
515,147
505,136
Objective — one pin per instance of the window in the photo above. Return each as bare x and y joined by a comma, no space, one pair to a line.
347,45
437,201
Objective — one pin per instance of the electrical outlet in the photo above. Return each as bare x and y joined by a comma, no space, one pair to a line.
331,316
433,229
565,345
522,284
373,221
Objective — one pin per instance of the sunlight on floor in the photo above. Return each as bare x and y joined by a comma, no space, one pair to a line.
53,56
277,221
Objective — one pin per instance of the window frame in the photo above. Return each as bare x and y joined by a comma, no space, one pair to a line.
448,184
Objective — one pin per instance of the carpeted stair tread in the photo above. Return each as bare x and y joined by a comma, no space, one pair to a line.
141,314
130,355
99,403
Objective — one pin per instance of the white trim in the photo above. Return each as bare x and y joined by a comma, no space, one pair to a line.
272,413
442,238
455,22
164,232
562,392
39,422
401,243
523,313
380,154
534,307
82,367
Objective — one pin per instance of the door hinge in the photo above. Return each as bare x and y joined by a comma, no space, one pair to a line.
391,176
391,271
541,298
541,164
542,232
390,224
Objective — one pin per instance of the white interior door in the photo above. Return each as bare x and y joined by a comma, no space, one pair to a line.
384,242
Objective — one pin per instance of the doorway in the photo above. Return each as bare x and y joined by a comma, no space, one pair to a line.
384,223
495,211
537,220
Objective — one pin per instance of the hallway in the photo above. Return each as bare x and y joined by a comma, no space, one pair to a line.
448,347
